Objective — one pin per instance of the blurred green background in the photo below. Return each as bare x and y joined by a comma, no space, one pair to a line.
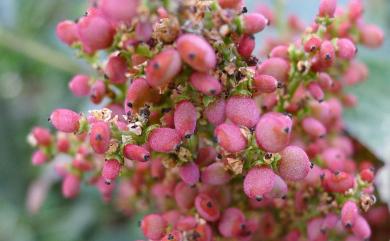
34,70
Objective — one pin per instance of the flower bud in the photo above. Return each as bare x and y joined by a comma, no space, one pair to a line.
65,120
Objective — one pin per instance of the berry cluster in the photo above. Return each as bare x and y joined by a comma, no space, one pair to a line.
195,126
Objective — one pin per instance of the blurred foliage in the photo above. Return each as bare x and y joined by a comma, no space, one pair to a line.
34,70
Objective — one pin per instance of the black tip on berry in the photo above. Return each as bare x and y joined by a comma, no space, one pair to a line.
348,225
146,157
311,165
286,130
209,204
188,136
98,137
280,84
191,56
259,198
156,65
244,10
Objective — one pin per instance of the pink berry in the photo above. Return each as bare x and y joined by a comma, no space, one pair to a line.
185,116
276,67
95,31
361,229
313,127
242,111
65,120
67,32
98,91
207,207
327,8
334,159
231,222
265,83
206,155
327,53
119,10
41,135
232,4
371,36
230,138
38,158
138,94
164,140
205,83
355,8
280,51
79,85
325,81
273,131
312,44
314,230
161,70
184,195
215,112
215,174
197,52
279,190
111,170
346,49
316,91
116,69
294,164
246,45
338,182
153,226
313,178
254,23
70,186
258,182
135,152
349,214
189,173
100,136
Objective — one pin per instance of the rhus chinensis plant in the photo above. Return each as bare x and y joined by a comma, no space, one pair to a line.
218,143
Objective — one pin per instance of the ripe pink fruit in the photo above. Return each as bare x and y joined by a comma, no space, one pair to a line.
215,174
330,221
99,136
231,222
111,170
163,68
314,230
38,158
265,83
206,155
65,120
185,116
98,91
246,45
70,186
207,207
138,93
327,8
355,8
313,178
242,111
41,135
346,49
67,32
273,131
361,229
254,23
215,112
153,226
116,69
164,140
95,31
230,138
189,173
259,181
312,44
334,159
327,53
316,91
294,164
338,182
279,190
63,145
371,36
135,152
205,83
185,195
280,51
233,4
276,67
119,10
325,81
349,214
197,52
79,85
313,127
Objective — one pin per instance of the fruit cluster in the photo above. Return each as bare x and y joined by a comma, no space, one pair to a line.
222,145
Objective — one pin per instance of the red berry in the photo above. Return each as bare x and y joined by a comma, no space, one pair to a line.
294,164
111,170
98,91
185,117
207,207
116,69
242,111
215,174
230,138
164,140
313,127
215,112
265,83
38,158
41,135
367,175
254,23
349,214
79,85
258,182
135,152
246,45
65,120
100,136
197,52
70,186
205,83
327,8
153,226
67,32
185,195
189,173
119,10
312,44
276,67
